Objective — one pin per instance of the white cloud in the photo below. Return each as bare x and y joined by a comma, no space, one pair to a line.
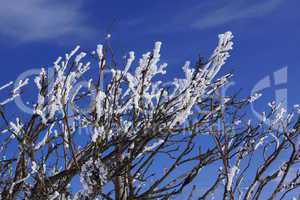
235,10
35,20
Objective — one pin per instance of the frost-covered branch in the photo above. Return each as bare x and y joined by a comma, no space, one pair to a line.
126,134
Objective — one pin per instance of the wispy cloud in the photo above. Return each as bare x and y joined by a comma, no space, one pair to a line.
204,15
35,20
235,10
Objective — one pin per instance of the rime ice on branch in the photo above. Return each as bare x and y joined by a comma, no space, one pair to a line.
145,138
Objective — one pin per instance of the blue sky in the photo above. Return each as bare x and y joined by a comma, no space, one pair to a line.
34,32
